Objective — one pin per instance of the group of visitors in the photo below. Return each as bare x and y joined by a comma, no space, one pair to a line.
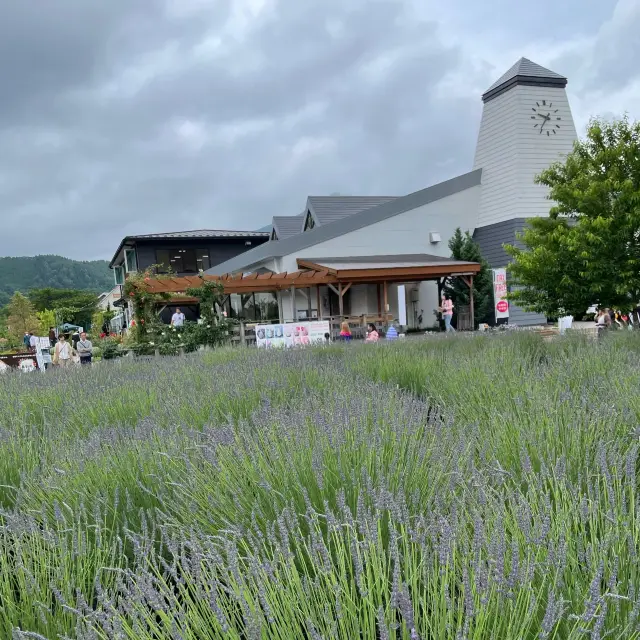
372,335
65,349
616,319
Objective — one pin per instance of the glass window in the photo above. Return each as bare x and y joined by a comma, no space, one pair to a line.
163,260
309,223
118,274
274,235
189,261
130,260
202,258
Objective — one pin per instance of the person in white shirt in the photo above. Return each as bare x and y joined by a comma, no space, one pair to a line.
32,341
177,319
63,352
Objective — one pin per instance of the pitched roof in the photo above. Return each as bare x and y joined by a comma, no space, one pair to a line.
287,226
327,209
524,72
198,233
203,233
322,233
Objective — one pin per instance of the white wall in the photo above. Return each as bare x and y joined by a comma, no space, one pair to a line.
511,152
406,233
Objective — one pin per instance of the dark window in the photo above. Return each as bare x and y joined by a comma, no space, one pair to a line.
274,235
182,260
309,223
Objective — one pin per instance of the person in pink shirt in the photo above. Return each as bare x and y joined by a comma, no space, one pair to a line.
447,312
372,334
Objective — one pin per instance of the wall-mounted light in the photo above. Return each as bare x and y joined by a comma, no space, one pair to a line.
247,243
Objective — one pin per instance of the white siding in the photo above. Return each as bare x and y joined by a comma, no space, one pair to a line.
405,233
511,152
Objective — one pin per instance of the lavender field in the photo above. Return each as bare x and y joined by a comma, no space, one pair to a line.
464,488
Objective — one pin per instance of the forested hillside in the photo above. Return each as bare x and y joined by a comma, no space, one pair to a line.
24,274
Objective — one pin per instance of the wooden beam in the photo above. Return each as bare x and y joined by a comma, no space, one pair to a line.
309,305
340,300
294,306
333,289
379,298
280,311
345,289
314,266
319,302
471,307
386,300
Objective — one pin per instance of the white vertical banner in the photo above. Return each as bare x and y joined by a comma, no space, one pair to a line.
500,303
402,305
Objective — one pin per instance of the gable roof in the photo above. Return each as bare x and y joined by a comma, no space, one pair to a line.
322,233
327,209
196,233
287,226
524,72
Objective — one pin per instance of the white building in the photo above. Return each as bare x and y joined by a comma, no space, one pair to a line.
526,126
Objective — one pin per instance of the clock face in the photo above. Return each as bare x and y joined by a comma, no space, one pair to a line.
546,118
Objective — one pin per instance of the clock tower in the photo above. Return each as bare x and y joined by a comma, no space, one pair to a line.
526,126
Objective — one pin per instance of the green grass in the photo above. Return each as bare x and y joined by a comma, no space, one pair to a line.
472,488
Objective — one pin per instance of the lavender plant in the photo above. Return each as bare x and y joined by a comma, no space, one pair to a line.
461,488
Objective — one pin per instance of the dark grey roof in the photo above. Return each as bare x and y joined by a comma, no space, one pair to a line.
287,226
203,233
524,72
198,233
327,209
354,222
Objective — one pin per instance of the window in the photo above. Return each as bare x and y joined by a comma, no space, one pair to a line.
309,223
130,261
182,260
118,274
274,235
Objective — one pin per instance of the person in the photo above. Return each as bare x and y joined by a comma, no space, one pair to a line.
63,352
345,332
84,349
600,321
392,333
26,341
32,341
75,336
177,319
372,333
52,336
447,312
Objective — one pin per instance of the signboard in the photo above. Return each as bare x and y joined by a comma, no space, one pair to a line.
402,306
292,334
501,306
43,355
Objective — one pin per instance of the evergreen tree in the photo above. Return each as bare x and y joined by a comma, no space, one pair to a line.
464,247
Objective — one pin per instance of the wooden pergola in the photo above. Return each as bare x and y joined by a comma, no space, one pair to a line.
312,274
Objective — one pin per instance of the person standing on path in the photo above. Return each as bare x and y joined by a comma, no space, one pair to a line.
26,341
84,349
63,352
447,313
52,336
177,319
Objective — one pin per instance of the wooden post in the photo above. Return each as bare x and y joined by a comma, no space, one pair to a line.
243,338
294,307
309,305
280,310
340,301
386,302
379,299
319,303
473,320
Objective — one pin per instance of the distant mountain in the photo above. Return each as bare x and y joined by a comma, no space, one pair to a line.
23,274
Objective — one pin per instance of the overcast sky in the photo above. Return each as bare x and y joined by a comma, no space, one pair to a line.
138,116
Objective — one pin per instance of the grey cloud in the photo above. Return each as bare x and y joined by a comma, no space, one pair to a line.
313,98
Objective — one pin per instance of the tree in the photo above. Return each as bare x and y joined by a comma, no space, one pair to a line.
464,247
22,316
46,319
589,250
72,305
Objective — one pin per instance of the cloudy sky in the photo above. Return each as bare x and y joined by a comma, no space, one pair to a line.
137,116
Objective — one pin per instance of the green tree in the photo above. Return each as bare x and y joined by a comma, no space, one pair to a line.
464,247
72,305
22,316
589,250
46,319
